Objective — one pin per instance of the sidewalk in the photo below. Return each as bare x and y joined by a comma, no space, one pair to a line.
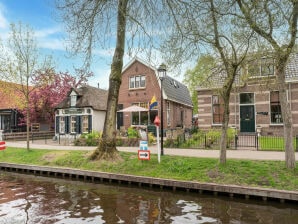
201,153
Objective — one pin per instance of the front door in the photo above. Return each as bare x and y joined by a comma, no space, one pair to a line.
119,116
247,118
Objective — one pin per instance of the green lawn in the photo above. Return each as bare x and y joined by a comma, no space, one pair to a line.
269,174
273,143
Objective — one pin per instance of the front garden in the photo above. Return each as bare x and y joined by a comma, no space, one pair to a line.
191,138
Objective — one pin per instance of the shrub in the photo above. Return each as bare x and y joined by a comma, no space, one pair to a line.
89,139
151,138
132,133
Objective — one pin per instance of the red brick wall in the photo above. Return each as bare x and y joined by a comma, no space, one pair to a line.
261,104
128,96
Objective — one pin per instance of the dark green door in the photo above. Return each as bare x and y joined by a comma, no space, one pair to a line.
247,118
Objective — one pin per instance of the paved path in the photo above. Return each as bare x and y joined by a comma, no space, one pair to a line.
235,154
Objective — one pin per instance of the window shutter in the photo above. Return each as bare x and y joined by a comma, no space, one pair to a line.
67,124
57,124
90,123
78,124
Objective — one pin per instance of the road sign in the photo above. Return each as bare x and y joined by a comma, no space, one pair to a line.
143,145
2,145
144,154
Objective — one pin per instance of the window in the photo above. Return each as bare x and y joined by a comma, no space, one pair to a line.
253,68
140,117
73,99
267,66
62,125
217,109
73,124
85,124
143,81
261,67
275,108
247,98
169,113
138,81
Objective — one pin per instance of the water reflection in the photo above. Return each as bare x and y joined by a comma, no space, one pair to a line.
28,199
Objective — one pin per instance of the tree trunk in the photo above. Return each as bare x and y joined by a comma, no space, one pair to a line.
286,113
107,146
224,128
27,115
226,93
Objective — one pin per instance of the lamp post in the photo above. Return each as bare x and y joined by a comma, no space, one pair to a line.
162,72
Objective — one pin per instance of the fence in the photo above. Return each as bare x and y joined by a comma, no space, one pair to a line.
241,141
17,136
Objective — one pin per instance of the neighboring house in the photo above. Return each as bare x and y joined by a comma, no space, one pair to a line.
140,83
82,111
9,115
254,101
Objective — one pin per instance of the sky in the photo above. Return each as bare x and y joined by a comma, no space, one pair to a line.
50,36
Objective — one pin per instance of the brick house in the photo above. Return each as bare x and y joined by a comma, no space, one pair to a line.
254,102
140,83
82,111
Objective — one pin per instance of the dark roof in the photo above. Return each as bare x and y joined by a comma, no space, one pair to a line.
88,96
176,91
292,68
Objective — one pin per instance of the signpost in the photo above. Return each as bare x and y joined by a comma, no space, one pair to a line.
144,153
157,123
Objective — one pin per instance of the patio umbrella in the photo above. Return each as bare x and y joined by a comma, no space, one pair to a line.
133,108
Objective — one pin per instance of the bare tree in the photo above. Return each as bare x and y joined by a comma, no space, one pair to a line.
276,22
19,60
209,25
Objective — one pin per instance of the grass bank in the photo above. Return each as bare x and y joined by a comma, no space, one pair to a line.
269,174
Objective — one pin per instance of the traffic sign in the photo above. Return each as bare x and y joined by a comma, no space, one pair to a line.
2,145
144,154
143,145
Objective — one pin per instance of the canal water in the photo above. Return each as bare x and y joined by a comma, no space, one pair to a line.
27,199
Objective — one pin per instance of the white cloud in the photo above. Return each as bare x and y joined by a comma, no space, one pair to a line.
51,43
42,33
50,38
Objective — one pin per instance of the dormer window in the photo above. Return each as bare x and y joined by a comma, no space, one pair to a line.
73,99
261,67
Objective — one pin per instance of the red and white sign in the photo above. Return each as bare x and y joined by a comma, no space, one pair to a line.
144,154
156,121
2,145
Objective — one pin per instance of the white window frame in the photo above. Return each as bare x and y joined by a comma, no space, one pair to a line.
137,82
73,121
85,124
168,113
280,123
62,124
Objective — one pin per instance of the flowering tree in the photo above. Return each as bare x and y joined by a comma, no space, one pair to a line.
50,89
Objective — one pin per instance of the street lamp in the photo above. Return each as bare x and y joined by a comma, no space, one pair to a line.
162,72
